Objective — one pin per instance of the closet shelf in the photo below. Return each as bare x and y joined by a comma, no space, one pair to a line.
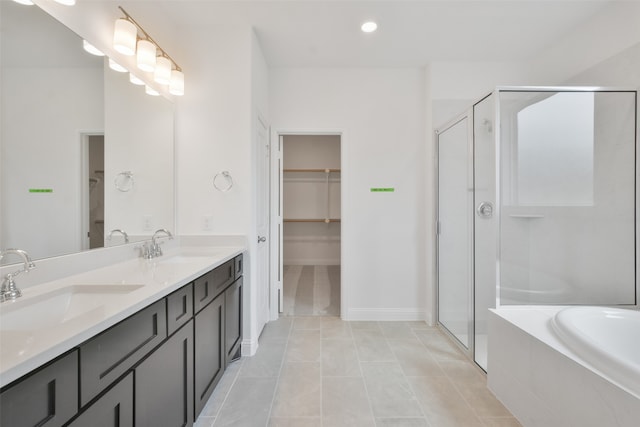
327,170
325,220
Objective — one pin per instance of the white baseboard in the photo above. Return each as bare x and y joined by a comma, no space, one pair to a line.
249,347
386,314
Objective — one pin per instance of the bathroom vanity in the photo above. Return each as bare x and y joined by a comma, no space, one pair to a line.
151,356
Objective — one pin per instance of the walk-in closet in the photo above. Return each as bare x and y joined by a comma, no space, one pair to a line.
311,234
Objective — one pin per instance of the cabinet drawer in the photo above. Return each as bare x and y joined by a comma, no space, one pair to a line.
210,285
179,308
238,266
113,409
49,397
107,356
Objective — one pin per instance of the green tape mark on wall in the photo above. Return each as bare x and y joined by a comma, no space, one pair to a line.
41,190
383,190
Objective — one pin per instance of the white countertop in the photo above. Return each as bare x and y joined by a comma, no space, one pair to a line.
110,294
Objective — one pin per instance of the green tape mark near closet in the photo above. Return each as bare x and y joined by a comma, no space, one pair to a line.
41,190
383,190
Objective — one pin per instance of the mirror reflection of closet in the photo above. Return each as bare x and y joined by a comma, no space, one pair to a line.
312,229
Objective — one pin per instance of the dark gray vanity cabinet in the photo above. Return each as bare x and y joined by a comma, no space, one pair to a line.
233,320
157,367
107,356
164,383
113,409
209,350
48,397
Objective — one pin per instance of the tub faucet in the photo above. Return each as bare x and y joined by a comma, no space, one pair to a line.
156,250
9,290
121,231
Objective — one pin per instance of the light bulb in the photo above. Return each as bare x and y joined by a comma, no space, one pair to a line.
116,67
135,80
151,91
66,2
146,55
162,73
369,27
125,35
176,85
24,2
91,48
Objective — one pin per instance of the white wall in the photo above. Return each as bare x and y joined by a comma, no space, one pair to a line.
380,113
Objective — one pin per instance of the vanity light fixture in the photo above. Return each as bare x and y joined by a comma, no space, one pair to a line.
150,56
91,48
151,91
146,55
369,27
24,2
135,80
116,67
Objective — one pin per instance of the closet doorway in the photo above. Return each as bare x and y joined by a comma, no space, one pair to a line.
311,225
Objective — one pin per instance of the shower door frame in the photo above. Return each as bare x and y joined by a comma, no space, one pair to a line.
470,350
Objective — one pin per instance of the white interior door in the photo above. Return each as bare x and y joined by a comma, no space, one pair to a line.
263,223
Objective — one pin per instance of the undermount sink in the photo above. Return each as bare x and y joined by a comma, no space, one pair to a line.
53,308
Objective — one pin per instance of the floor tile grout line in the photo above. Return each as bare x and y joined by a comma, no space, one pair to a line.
364,381
226,395
277,384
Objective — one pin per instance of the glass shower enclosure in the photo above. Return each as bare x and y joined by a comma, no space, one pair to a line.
536,205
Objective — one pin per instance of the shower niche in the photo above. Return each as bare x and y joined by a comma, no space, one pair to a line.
536,205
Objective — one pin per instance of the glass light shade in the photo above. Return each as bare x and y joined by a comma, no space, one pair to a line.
135,80
116,67
176,85
91,48
66,2
151,91
125,35
146,55
24,2
162,74
369,27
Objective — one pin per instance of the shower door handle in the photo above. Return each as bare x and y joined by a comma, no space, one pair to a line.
485,210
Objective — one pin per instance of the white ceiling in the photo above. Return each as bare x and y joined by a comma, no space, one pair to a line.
311,33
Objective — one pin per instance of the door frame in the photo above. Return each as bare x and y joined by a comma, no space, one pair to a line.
276,208
84,136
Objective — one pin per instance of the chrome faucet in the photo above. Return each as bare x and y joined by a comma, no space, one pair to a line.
9,290
156,250
121,231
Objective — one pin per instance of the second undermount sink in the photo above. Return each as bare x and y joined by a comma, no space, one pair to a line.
53,308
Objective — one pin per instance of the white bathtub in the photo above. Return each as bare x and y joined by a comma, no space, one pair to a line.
549,380
607,338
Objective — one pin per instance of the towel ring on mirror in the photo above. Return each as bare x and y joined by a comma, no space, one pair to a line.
228,181
124,181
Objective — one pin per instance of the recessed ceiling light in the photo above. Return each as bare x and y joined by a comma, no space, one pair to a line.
369,27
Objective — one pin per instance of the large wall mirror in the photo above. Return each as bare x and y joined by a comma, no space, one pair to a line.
82,150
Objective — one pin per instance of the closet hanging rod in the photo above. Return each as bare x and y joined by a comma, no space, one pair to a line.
312,170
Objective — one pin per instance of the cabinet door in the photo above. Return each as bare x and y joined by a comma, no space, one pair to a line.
164,383
113,409
109,355
209,351
233,320
48,398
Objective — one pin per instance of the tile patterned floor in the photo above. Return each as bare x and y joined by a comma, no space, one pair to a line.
324,372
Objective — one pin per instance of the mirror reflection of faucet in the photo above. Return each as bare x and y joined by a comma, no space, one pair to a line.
121,231
9,291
